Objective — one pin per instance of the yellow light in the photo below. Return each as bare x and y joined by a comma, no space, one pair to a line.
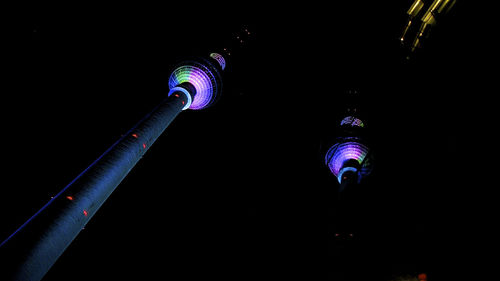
437,7
415,8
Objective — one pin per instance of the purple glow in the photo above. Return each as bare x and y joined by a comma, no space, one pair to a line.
353,121
220,59
339,153
201,78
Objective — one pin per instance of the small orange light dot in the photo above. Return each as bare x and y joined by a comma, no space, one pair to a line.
422,277
135,135
70,198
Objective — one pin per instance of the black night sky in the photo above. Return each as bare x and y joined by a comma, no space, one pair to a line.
239,191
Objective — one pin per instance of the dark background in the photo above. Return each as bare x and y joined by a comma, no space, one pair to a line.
239,191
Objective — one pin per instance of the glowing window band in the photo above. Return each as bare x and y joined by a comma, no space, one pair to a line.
353,121
220,59
201,78
340,153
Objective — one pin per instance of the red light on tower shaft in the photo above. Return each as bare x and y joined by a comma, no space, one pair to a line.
85,213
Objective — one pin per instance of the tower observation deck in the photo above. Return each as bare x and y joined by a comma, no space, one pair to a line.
349,159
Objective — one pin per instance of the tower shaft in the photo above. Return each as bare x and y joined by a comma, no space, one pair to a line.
33,248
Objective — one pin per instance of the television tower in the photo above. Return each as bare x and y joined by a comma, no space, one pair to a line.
349,159
34,247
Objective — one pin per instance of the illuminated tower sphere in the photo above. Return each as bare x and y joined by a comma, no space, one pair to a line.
35,246
349,159
203,78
